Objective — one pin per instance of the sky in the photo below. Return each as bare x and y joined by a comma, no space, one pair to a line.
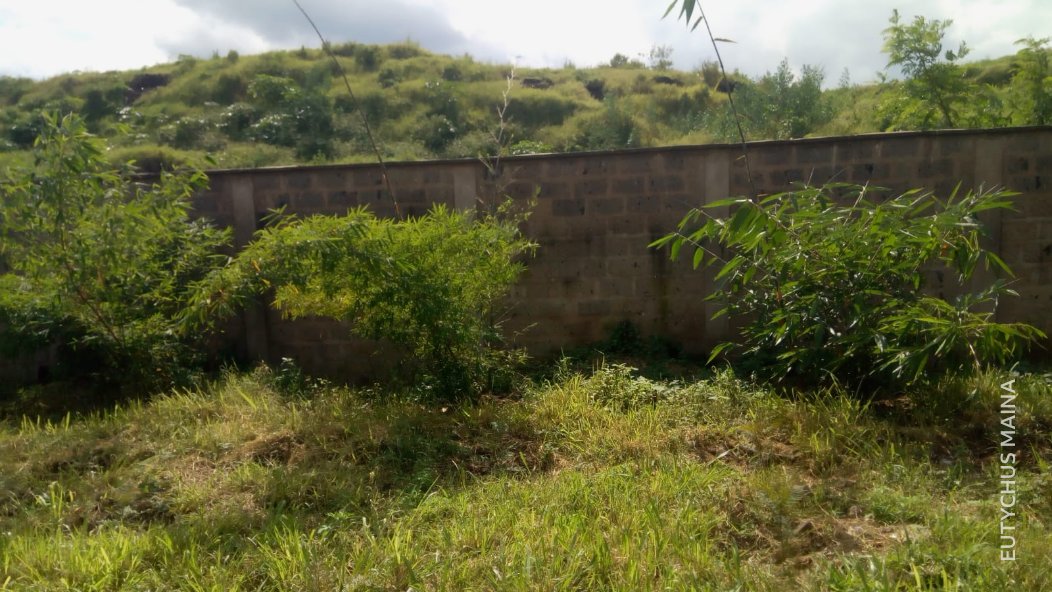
42,38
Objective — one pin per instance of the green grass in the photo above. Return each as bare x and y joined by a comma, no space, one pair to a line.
584,481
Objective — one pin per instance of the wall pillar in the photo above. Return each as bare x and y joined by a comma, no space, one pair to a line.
255,315
465,187
989,174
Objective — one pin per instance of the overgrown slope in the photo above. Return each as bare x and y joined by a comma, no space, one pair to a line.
291,106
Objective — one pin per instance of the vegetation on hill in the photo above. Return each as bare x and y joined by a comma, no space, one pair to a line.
289,107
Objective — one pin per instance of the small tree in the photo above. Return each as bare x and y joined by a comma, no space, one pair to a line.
99,259
778,106
660,57
1031,97
935,86
830,282
430,284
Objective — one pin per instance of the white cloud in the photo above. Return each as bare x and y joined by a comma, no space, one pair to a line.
45,37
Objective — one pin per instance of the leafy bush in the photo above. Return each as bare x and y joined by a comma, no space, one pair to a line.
154,159
1031,96
388,77
12,89
230,88
237,120
830,283
534,109
682,110
99,259
367,57
404,50
293,117
186,133
612,128
429,284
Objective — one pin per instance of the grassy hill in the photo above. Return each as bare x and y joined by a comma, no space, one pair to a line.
293,107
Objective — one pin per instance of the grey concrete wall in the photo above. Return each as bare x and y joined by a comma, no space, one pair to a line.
595,213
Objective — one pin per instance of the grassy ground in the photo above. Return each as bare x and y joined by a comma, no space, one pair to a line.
602,480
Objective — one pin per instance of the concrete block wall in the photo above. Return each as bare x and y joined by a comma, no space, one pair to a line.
595,214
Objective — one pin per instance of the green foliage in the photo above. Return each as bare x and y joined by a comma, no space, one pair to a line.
613,128
230,88
830,283
529,147
681,110
710,73
292,117
660,57
444,119
1031,97
367,57
617,387
23,132
431,285
619,60
151,158
12,89
535,109
778,106
99,260
188,133
935,89
236,121
102,102
404,50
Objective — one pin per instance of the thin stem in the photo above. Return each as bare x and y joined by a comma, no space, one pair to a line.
730,98
357,107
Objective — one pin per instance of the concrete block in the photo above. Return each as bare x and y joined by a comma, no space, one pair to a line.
568,207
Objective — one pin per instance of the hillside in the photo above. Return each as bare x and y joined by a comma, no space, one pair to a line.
289,107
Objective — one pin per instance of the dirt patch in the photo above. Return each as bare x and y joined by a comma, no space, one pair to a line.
280,448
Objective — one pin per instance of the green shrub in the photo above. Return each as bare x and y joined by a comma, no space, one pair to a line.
829,281
534,109
293,117
935,92
1031,93
12,89
778,105
404,50
430,284
229,88
367,57
153,158
186,133
388,77
612,128
99,260
236,121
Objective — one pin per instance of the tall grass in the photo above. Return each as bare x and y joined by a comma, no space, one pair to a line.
598,480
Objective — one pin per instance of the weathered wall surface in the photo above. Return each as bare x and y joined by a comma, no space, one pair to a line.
595,214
